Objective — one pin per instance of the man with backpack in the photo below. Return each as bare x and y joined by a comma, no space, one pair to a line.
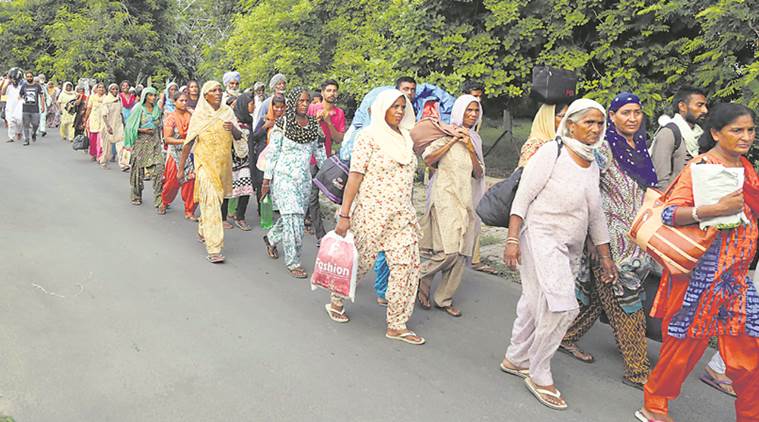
676,142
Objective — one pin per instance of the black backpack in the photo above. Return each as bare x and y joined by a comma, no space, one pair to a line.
494,208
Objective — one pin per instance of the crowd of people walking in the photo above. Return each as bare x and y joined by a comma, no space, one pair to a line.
586,172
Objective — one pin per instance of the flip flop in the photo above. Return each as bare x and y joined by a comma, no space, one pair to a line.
298,272
485,268
382,302
215,259
271,250
540,392
242,225
521,373
643,418
709,380
341,312
404,337
450,310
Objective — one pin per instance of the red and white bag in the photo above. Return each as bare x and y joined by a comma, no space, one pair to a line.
336,266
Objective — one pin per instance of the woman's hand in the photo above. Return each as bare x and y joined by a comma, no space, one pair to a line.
731,204
265,188
228,126
512,256
343,225
608,269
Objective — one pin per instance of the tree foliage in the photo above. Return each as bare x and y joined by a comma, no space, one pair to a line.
649,46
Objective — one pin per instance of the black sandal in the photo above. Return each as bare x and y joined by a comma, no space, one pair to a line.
271,250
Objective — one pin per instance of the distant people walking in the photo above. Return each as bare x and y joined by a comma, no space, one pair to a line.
142,137
67,105
34,99
112,131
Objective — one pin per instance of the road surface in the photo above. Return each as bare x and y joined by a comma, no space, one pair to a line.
110,312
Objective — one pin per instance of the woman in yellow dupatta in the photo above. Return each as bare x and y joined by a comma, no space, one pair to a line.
68,111
212,128
543,130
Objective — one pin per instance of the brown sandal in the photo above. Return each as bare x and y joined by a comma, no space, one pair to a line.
298,272
215,258
573,350
271,250
161,210
450,310
424,302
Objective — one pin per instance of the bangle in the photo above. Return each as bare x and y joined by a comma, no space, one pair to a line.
694,214
347,217
515,239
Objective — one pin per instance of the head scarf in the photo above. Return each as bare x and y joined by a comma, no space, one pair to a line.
544,126
205,115
135,117
66,97
231,76
457,118
276,79
241,109
293,131
257,86
183,89
583,150
398,146
109,98
634,162
168,105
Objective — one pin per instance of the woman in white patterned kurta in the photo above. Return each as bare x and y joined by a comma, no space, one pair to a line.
288,177
377,207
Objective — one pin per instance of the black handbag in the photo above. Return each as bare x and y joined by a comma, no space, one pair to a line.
332,178
494,208
80,142
551,85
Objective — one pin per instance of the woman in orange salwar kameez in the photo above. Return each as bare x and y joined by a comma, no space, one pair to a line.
718,298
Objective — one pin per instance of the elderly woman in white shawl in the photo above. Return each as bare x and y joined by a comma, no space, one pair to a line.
450,225
377,207
556,206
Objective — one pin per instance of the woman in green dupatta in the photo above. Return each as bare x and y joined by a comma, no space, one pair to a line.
141,137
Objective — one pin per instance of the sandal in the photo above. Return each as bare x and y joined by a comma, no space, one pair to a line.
573,350
633,384
271,250
485,268
404,337
136,201
298,272
643,417
521,373
242,225
424,302
715,383
337,316
450,310
161,210
227,225
190,217
215,258
382,302
543,396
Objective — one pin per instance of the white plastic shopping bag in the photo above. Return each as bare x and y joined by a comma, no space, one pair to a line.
710,183
336,266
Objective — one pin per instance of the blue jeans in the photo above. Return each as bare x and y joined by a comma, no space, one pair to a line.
382,274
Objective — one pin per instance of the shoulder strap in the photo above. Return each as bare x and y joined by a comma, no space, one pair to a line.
676,133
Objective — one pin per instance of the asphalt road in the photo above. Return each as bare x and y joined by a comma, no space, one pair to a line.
109,312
